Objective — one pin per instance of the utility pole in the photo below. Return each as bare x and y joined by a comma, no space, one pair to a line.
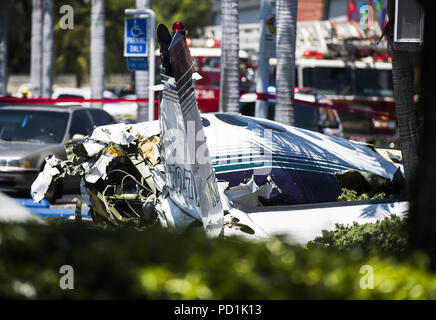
229,77
47,49
3,47
266,50
36,48
97,49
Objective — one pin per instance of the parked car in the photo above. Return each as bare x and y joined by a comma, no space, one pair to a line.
120,111
29,133
81,93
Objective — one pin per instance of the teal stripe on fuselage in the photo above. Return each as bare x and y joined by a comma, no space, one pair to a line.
274,164
240,156
256,161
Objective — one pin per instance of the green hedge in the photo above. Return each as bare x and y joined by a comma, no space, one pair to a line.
387,236
353,195
159,264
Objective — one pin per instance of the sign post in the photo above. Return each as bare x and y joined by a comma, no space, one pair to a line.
136,49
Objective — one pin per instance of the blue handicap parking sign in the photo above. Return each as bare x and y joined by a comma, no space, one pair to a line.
135,37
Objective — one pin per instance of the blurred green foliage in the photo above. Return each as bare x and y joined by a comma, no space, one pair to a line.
352,195
72,47
194,14
158,264
387,236
19,34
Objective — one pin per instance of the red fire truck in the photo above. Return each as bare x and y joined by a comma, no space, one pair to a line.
353,70
207,63
364,87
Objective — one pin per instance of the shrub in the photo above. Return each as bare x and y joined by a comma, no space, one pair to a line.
157,264
388,236
352,195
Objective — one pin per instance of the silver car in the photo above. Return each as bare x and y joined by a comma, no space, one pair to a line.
29,133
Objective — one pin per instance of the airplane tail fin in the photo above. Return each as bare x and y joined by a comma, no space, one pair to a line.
189,172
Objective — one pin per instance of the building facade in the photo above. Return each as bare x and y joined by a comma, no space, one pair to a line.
308,10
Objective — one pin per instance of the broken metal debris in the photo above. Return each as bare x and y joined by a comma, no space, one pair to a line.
124,181
117,166
136,175
249,194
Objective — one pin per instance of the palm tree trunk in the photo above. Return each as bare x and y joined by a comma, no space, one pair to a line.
422,219
3,47
47,49
405,108
36,48
229,78
142,77
286,16
97,49
266,51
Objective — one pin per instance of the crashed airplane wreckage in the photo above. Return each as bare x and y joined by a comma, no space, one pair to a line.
224,172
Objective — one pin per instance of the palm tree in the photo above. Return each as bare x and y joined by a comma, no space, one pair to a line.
266,51
229,79
422,219
47,49
97,49
36,48
3,47
142,77
406,111
403,95
286,17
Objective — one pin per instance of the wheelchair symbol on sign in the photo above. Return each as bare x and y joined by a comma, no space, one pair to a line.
136,30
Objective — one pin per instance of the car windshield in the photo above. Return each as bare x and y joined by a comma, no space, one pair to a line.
70,96
327,80
33,125
338,81
210,65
